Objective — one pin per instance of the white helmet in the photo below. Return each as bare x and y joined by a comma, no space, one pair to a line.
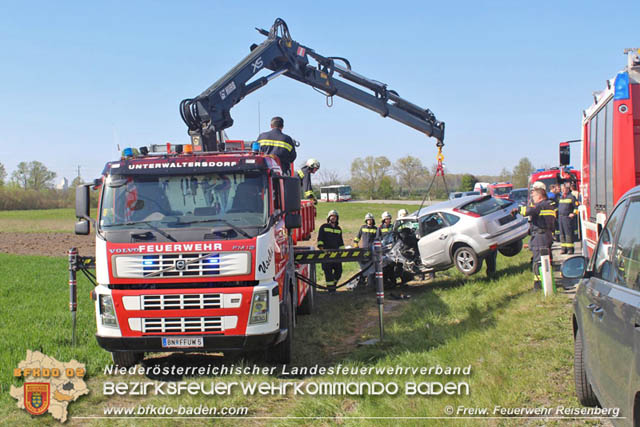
313,164
539,184
385,215
333,212
368,216
402,213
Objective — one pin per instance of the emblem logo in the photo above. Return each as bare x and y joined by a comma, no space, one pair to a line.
36,397
181,265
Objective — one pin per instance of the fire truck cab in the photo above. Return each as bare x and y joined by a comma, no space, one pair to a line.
194,252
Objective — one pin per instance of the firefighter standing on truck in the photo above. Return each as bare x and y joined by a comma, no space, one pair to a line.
304,174
364,239
278,144
330,237
543,221
567,210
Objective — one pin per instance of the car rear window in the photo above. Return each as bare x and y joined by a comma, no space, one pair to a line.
485,206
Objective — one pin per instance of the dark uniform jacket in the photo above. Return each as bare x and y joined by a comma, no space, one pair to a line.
330,237
567,205
280,145
543,222
366,236
384,229
305,175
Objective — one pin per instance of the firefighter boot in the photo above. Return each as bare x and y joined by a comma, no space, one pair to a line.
537,285
331,286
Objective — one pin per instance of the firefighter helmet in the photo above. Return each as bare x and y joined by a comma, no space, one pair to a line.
333,212
402,213
368,216
385,215
539,184
313,164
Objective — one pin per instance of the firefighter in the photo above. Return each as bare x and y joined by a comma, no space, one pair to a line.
330,237
567,210
304,173
553,198
278,144
402,213
364,239
385,226
543,220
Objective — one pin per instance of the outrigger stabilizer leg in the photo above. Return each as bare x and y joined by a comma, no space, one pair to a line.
73,293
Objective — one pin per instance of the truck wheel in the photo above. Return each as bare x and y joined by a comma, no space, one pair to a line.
308,302
512,249
281,352
466,260
585,393
126,359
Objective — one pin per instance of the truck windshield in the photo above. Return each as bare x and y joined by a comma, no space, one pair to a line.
501,191
238,201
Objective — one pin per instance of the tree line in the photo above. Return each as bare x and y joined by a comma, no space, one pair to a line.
31,187
31,184
407,178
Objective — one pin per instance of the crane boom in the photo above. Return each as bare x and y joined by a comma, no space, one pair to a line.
209,114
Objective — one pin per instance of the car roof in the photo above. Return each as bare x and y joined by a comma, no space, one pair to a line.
631,192
448,204
517,190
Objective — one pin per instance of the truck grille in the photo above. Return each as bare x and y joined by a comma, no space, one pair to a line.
181,302
182,265
181,324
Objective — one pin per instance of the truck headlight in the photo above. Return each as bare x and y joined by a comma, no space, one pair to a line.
108,312
259,307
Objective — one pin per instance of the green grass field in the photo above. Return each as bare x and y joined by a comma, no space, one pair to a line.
518,343
38,221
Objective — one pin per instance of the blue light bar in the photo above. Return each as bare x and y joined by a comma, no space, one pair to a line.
621,86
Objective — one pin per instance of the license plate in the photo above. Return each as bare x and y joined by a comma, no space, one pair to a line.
182,342
506,219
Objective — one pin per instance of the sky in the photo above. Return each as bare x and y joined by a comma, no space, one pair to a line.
509,79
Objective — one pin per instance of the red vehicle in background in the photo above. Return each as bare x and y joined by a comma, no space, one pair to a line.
500,190
610,149
556,175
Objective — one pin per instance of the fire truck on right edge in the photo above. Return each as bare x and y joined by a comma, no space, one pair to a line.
610,149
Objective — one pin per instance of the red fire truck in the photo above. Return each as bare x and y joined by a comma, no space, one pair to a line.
500,190
195,246
610,148
194,252
555,175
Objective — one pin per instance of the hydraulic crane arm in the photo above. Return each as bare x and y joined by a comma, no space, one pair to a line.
209,112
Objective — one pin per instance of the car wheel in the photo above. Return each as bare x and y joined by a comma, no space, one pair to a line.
511,250
585,393
466,260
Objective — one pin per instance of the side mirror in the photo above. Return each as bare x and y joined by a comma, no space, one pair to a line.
82,201
565,154
574,268
292,220
82,227
292,196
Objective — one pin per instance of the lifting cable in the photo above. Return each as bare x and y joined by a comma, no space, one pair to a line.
439,172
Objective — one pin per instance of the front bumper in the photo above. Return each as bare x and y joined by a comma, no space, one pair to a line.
211,343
